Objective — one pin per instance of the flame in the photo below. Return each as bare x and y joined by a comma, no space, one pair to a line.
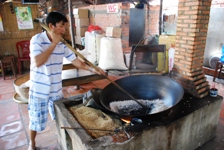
125,120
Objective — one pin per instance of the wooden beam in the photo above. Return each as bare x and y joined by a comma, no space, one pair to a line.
81,80
68,66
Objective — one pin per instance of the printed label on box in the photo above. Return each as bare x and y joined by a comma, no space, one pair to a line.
112,8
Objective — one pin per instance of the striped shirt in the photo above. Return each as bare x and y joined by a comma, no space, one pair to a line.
45,80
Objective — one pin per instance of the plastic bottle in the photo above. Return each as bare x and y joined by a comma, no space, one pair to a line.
171,58
222,57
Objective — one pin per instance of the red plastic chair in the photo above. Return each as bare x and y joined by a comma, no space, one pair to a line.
23,50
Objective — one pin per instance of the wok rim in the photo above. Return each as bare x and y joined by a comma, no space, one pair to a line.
144,116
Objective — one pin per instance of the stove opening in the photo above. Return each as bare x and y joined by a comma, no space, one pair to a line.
125,120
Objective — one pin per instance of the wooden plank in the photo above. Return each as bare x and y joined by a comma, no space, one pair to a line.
81,80
149,48
68,66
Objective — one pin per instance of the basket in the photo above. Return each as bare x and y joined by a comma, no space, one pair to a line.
22,92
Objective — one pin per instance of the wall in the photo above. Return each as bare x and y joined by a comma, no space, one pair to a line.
152,23
215,38
170,9
100,17
11,33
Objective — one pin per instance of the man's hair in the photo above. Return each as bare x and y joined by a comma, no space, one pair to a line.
55,17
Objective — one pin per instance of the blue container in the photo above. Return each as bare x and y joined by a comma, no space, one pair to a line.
222,57
213,92
223,50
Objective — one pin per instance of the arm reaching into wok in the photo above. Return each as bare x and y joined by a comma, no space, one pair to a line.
82,65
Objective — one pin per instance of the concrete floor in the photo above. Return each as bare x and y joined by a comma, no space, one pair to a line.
14,118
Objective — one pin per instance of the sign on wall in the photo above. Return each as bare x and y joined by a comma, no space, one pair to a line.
112,8
1,25
24,17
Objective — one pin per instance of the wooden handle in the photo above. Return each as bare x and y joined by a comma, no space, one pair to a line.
96,130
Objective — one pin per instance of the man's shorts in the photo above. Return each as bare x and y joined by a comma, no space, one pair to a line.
38,111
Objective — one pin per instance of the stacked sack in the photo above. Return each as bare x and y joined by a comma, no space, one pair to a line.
92,43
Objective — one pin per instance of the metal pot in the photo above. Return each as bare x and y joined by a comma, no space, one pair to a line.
143,87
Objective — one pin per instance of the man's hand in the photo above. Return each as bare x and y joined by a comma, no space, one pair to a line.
56,38
82,65
98,70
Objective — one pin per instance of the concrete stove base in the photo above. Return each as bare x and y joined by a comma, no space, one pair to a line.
191,123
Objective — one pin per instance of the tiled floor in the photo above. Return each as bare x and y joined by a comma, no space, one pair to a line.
14,119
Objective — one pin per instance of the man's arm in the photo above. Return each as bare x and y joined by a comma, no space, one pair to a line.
43,57
81,65
55,39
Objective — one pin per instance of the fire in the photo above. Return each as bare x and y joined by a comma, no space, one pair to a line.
125,120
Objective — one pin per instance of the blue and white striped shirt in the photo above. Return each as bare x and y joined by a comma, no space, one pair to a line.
45,81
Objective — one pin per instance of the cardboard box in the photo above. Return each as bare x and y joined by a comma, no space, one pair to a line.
51,8
51,3
81,31
80,13
78,40
113,32
81,22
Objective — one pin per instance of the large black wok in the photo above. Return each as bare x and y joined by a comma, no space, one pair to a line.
143,87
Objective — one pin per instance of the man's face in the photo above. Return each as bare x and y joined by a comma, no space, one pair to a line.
59,28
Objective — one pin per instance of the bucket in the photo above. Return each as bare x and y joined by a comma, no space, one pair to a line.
213,92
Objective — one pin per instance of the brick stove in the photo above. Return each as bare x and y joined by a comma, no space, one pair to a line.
191,123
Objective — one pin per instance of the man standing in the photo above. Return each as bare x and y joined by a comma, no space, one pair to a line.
46,53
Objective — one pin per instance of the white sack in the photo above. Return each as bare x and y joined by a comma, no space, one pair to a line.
92,46
111,54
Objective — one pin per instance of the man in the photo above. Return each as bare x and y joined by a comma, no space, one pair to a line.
46,53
